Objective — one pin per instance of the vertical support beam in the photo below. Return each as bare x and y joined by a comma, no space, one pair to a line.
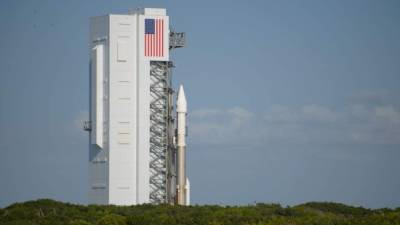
171,151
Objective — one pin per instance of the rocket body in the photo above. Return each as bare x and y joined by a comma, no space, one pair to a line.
181,110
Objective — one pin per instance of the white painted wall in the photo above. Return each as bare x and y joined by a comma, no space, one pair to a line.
122,119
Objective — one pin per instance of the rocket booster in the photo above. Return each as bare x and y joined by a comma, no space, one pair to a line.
181,111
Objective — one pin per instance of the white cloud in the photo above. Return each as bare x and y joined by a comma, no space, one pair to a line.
304,124
202,113
388,114
311,113
318,113
239,116
375,124
219,125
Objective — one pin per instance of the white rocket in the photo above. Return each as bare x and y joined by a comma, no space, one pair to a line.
183,186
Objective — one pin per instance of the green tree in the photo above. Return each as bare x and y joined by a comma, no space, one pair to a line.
112,219
79,222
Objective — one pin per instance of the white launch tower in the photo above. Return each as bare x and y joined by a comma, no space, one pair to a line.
134,145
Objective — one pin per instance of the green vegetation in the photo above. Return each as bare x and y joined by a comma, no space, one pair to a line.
48,212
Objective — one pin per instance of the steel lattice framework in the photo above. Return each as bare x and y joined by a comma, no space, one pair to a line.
162,148
160,132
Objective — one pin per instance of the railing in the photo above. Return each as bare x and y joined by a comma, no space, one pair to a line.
177,39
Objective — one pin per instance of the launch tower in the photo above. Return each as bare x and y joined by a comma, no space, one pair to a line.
136,154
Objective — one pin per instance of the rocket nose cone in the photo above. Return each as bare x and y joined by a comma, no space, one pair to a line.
181,105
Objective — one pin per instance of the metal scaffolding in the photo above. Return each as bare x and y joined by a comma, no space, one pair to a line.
162,128
160,136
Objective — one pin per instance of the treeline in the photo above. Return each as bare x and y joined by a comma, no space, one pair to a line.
52,212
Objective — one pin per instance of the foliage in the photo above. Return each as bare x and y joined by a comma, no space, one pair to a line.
112,219
79,222
45,211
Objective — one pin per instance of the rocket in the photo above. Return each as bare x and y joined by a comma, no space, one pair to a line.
182,182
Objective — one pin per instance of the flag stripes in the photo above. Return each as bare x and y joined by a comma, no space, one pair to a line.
154,38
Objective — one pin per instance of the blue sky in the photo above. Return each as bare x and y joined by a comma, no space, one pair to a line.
289,101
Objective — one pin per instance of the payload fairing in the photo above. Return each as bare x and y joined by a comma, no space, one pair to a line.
136,147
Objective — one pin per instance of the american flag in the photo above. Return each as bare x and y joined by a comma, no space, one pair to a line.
154,37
